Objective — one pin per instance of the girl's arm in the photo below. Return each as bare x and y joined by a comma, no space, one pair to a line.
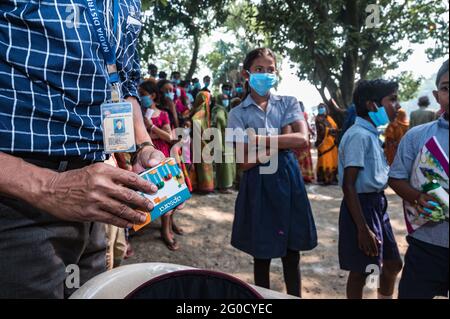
293,137
173,111
367,241
164,134
247,161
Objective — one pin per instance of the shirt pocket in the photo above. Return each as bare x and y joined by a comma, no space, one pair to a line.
129,62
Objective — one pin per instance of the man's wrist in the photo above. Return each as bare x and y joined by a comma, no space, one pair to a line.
26,182
139,148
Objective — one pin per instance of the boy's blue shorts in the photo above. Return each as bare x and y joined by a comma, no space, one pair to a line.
351,258
425,274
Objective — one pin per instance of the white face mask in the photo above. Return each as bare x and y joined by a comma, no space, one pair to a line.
186,131
149,113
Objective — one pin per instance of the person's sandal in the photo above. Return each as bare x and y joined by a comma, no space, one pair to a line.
171,245
177,230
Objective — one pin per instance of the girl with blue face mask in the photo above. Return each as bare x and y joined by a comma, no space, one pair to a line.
227,91
239,90
197,86
155,118
273,217
322,110
166,96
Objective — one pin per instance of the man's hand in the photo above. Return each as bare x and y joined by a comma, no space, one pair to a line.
368,242
97,192
147,157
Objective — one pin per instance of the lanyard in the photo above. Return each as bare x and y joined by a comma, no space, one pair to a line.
109,54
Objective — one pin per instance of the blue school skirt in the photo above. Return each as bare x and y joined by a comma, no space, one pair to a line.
272,212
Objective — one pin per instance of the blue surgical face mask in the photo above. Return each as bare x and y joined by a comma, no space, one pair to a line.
207,84
146,101
322,111
176,82
197,85
190,88
170,95
239,90
226,103
380,117
227,92
262,82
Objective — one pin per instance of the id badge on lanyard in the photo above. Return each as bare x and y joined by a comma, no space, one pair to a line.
118,127
116,114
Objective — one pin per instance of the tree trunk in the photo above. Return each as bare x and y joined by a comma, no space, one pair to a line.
195,52
351,59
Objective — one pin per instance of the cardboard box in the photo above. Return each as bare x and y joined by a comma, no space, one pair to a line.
172,189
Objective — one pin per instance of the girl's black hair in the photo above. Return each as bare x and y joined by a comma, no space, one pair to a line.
252,56
160,86
372,91
162,75
149,86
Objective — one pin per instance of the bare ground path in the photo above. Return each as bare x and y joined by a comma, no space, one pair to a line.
207,221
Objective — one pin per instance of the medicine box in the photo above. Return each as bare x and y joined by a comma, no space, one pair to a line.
172,189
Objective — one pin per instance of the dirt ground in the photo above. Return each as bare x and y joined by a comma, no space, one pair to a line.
207,221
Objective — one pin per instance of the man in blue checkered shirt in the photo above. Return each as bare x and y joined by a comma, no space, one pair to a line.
54,187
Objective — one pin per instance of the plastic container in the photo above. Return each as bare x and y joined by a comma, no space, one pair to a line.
436,190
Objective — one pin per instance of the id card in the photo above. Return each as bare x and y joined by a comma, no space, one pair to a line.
118,127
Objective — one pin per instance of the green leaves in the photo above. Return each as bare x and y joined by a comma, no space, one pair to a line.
409,85
333,38
184,19
330,42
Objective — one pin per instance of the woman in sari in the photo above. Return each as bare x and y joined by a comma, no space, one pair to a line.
393,134
226,170
154,99
202,174
327,161
304,157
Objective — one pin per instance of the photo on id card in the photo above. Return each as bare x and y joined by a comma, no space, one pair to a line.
118,127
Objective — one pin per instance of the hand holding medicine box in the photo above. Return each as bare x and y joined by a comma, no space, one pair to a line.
172,189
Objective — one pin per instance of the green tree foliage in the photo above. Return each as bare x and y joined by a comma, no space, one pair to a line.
409,85
335,43
227,57
226,61
173,53
192,19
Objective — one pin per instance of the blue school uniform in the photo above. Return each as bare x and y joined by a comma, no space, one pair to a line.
272,211
360,147
425,274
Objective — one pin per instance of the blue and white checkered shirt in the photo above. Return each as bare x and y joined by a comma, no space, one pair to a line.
53,75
